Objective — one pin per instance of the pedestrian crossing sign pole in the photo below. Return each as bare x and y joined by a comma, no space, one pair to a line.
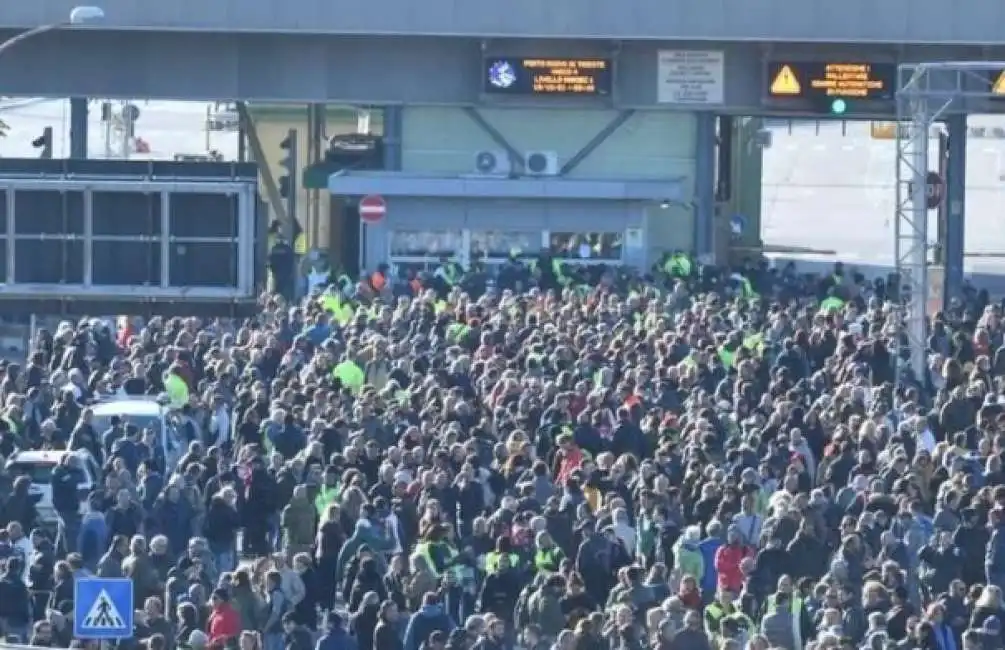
103,608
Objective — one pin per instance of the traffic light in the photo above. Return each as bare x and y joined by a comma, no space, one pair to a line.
288,179
44,142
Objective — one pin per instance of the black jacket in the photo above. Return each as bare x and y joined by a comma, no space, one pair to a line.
14,601
65,482
385,637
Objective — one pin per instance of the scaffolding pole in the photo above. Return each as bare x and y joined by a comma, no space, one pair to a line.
926,93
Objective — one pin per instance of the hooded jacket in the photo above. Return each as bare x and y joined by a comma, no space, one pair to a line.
336,639
92,540
299,521
727,564
690,560
365,534
424,622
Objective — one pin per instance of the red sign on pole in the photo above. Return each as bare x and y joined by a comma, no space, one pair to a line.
372,208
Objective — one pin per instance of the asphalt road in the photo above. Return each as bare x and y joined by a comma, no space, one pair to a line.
832,191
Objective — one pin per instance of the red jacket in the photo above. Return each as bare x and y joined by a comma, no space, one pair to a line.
568,461
727,565
224,623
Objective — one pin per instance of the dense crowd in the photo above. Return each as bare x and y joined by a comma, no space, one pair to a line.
552,460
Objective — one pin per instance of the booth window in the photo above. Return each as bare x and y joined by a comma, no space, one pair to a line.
587,246
496,246
425,243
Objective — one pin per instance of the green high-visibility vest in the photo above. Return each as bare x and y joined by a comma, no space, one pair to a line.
831,303
683,265
754,342
726,356
326,496
747,288
492,561
547,560
422,549
559,270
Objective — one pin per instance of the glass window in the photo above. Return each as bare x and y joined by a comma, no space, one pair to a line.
104,422
401,268
425,243
587,246
39,473
492,243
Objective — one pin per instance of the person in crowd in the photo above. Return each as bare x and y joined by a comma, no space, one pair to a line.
554,456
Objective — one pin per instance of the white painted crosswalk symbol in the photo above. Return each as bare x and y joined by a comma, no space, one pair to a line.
103,614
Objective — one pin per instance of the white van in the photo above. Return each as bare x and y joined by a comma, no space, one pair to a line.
143,412
38,466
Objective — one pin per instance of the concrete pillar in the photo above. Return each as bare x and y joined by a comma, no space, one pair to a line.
724,159
748,159
393,119
78,128
956,175
704,185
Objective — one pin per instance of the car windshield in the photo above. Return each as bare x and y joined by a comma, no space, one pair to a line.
39,473
103,422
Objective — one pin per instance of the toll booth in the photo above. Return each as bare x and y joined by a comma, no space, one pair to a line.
85,237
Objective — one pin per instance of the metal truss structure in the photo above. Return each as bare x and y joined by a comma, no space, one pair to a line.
926,93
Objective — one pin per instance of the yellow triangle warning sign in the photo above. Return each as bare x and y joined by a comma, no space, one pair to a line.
785,82
998,87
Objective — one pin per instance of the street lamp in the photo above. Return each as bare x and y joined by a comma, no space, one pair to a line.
82,15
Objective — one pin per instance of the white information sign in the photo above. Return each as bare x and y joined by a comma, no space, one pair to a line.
695,77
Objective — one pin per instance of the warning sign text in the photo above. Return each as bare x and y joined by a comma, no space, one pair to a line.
823,79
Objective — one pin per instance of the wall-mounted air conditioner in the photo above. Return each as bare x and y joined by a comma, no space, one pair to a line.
541,163
492,163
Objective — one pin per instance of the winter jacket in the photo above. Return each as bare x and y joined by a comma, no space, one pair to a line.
779,627
709,578
173,519
994,557
423,623
15,604
299,521
336,639
92,540
367,535
545,609
727,565
65,481
690,561
224,623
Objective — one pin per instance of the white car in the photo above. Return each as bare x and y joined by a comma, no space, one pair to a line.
143,412
38,466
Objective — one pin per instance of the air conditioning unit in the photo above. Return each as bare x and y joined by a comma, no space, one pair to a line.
492,163
541,163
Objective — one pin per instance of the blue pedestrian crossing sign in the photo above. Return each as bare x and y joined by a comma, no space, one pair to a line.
103,608
738,224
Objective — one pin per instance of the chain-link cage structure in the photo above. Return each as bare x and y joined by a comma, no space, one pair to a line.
926,93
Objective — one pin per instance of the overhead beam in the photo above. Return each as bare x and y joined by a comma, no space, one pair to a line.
516,158
271,188
577,158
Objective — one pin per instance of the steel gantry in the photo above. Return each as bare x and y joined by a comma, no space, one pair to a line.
929,93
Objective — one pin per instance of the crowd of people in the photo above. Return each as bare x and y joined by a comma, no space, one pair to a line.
688,460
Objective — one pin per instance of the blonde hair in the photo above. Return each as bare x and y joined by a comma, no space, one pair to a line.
873,587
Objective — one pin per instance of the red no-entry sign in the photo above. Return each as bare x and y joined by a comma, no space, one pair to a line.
372,208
